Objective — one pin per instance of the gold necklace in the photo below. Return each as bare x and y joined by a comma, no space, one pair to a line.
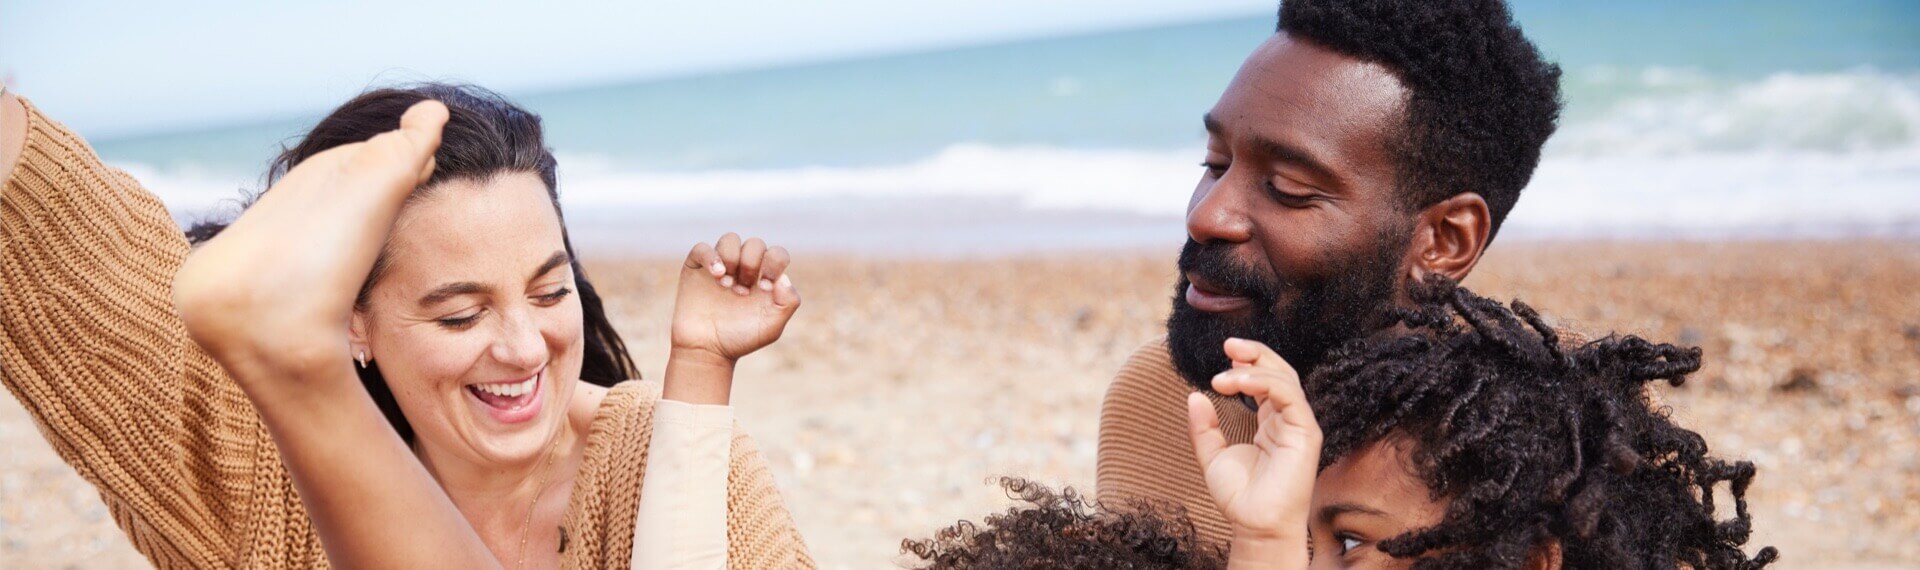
546,471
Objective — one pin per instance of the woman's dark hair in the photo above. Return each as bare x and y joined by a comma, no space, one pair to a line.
1532,441
1059,529
485,136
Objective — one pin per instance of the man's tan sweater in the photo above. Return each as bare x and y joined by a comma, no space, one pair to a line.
1145,452
91,346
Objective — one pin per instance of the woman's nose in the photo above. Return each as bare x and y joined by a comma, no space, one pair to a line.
520,343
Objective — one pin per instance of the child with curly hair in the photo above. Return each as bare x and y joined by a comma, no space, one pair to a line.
1466,435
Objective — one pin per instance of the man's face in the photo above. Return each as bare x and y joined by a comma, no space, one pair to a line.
1296,238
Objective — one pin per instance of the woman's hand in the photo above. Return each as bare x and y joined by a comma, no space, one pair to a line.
272,294
734,298
270,299
1265,487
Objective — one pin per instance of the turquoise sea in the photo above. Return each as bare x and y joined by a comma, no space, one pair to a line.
1747,119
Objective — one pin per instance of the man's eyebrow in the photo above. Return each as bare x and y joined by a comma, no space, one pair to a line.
1278,151
1330,512
1283,152
558,258
452,290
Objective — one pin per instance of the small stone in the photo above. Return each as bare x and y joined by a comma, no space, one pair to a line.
1082,318
1801,379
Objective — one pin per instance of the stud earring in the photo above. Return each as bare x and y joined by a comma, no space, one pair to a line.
362,358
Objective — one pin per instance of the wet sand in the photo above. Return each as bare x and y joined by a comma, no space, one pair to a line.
904,385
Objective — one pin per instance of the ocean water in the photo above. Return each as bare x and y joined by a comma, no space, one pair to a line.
1714,119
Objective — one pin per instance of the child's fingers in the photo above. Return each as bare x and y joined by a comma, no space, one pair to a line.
1273,392
747,276
1277,389
785,295
729,249
1245,352
773,266
704,257
1203,425
1249,382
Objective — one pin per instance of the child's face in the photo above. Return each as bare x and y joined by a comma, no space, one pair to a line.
1366,497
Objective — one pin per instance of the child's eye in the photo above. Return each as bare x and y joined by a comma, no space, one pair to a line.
1348,543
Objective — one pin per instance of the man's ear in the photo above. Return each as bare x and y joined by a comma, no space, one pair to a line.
1545,557
1449,237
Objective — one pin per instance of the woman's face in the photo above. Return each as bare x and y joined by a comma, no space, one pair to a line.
1367,497
474,324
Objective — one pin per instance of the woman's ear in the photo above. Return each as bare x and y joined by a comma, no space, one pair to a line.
357,345
1449,237
1546,557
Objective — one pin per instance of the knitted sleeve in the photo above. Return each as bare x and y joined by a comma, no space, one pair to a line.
760,532
91,346
1145,452
600,526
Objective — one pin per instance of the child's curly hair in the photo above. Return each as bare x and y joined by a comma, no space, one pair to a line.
1533,441
1059,529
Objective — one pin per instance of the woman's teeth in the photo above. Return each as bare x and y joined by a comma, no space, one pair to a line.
508,390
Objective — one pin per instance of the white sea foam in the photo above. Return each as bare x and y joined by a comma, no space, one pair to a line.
1859,110
1788,154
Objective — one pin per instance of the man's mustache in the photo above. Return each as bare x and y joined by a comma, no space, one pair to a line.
1214,263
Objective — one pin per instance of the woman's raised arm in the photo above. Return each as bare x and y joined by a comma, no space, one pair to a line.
92,348
270,298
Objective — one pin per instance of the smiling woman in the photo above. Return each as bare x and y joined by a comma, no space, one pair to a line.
456,298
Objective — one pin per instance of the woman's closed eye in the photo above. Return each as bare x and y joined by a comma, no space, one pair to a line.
465,320
553,298
462,321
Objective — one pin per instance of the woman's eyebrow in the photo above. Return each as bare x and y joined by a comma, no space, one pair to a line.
1330,512
452,290
558,258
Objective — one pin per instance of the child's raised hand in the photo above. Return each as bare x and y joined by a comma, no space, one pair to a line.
734,298
1265,487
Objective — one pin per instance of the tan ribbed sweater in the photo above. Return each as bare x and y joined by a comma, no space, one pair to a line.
91,346
1145,452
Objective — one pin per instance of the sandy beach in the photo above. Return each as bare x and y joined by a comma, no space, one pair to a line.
904,385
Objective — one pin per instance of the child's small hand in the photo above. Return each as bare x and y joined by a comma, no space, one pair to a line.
1264,488
734,298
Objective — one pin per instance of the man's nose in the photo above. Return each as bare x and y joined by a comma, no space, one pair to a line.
1218,213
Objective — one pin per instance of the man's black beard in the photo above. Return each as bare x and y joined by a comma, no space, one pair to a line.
1324,313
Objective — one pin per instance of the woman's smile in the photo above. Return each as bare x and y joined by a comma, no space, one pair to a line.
510,401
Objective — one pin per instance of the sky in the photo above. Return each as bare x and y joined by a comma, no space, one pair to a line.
116,68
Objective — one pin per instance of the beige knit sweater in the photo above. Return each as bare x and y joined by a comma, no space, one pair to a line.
91,346
1145,452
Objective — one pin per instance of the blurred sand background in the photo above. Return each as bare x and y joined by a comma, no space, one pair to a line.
904,385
